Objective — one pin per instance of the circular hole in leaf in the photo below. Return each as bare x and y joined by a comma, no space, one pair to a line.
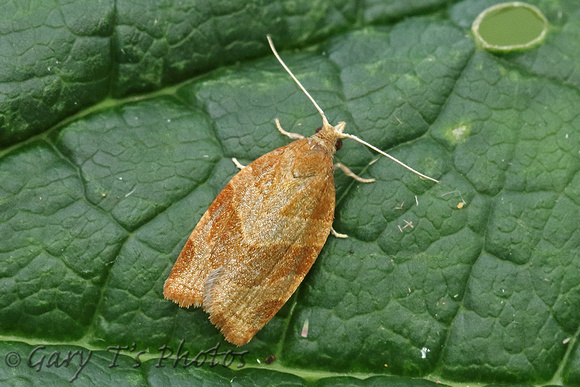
509,27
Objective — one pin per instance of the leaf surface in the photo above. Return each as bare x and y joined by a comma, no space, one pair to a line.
117,125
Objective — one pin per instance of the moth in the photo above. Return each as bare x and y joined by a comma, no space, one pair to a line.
259,238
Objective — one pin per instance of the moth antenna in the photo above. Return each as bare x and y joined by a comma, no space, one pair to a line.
339,130
351,136
324,120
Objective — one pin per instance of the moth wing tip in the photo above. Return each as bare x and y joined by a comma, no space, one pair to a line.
181,295
233,332
238,341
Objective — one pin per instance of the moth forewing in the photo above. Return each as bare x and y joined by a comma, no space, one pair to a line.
259,238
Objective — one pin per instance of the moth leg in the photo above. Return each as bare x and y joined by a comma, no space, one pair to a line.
238,164
294,136
337,234
350,173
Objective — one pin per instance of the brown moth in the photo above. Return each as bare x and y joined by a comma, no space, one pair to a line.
260,236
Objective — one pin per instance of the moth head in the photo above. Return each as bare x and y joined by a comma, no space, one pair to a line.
332,130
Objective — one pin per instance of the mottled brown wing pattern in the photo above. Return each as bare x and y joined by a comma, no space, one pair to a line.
258,239
195,262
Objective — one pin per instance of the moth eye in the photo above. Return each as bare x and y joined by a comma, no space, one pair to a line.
318,130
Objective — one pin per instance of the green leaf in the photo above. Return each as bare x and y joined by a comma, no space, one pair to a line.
117,125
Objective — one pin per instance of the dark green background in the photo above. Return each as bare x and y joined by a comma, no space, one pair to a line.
117,124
